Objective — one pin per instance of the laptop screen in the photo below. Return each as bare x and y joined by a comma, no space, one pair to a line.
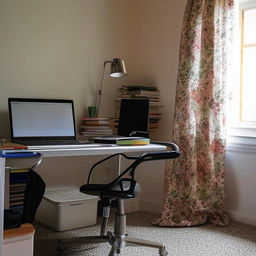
41,119
133,116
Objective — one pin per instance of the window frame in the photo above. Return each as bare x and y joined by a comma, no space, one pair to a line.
243,46
240,128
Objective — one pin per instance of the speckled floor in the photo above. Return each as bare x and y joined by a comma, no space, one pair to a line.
234,240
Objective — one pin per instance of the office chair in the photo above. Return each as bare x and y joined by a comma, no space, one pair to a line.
34,192
120,189
33,196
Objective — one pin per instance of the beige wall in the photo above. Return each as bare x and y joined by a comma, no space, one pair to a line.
155,49
56,49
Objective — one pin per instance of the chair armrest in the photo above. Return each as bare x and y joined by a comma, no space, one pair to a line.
167,144
107,158
139,159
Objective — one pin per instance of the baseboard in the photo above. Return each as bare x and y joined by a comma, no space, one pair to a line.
156,207
132,205
135,204
243,218
151,206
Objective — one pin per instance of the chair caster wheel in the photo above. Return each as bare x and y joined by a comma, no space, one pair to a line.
163,252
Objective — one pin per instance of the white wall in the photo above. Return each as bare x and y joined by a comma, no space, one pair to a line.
240,179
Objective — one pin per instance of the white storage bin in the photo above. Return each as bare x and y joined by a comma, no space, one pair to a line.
65,208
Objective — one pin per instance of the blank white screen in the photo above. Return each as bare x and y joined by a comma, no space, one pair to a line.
42,119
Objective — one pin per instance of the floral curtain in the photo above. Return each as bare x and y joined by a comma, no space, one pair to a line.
194,182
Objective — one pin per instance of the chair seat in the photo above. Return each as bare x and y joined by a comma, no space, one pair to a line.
12,219
124,189
92,189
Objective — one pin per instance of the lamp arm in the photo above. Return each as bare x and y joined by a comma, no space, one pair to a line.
99,93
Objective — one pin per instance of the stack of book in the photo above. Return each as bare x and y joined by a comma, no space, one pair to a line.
150,92
95,126
137,91
132,141
114,123
17,188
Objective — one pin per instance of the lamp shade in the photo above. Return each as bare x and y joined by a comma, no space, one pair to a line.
117,68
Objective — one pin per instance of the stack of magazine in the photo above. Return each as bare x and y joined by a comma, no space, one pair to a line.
17,188
95,126
140,91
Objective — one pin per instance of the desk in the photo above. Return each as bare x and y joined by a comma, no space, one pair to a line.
57,152
90,150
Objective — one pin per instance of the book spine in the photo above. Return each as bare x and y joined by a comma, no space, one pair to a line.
138,87
140,92
95,123
97,132
18,184
91,127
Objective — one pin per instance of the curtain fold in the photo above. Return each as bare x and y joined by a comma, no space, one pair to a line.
194,182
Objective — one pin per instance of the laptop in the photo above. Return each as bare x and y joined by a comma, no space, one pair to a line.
133,116
42,121
133,121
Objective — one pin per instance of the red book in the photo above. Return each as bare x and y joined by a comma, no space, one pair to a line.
10,145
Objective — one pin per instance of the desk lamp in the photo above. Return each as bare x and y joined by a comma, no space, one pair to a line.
117,70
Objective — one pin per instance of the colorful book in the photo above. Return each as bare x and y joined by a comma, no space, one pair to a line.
18,177
11,145
95,123
13,186
94,127
95,119
19,171
108,132
132,142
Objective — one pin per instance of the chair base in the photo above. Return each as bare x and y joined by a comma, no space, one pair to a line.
119,238
117,243
88,240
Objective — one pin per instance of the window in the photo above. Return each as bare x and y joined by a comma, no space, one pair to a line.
243,106
248,66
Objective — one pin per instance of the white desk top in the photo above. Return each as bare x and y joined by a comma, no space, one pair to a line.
98,149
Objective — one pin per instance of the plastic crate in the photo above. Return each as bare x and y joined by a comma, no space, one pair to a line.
65,208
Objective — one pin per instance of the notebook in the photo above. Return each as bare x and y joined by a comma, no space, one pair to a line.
133,117
42,121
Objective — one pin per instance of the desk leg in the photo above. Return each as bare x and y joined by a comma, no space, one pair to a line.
2,181
119,165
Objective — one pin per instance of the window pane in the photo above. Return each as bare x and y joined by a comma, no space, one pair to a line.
249,26
249,85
